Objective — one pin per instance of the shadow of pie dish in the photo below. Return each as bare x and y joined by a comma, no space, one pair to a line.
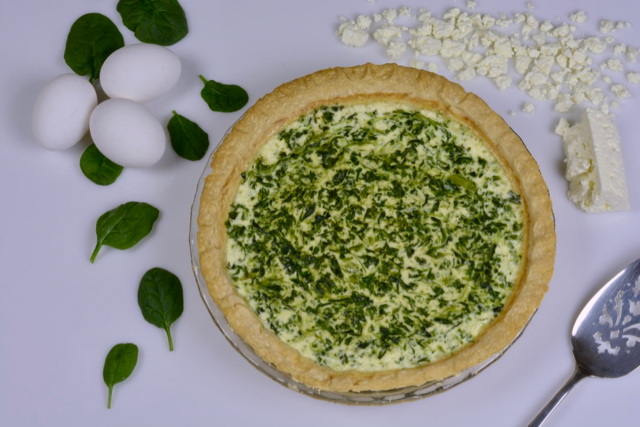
372,234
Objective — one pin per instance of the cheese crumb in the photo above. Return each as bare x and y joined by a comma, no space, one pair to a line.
530,5
633,78
620,91
432,67
528,107
396,49
512,113
595,170
416,63
614,64
363,22
578,17
471,4
619,49
351,35
606,26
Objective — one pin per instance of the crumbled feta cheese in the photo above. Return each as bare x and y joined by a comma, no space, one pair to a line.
530,5
619,49
432,67
609,40
404,11
528,107
512,113
416,63
471,4
532,21
466,74
562,126
544,63
594,44
578,17
564,103
451,48
495,65
389,15
377,17
519,18
502,82
546,26
442,29
606,79
606,26
363,22
424,16
471,58
451,14
351,35
614,64
502,47
539,38
396,49
620,25
427,46
384,34
620,91
633,78
488,21
522,63
595,169
455,64
615,105
632,54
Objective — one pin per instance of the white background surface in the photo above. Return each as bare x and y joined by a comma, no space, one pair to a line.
60,315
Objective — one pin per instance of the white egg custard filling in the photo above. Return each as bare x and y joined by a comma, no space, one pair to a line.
376,236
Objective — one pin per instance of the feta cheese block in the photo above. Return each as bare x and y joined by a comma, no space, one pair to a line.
595,170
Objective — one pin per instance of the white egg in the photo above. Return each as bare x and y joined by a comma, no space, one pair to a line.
140,72
61,113
127,133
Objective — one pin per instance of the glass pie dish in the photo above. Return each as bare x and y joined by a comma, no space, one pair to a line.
350,398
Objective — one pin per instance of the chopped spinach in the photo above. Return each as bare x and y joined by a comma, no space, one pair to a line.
368,231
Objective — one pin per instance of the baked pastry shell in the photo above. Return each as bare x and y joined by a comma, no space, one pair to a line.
216,192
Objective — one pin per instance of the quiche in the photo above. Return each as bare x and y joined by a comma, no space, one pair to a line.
373,228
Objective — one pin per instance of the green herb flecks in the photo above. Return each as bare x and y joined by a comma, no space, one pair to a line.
374,238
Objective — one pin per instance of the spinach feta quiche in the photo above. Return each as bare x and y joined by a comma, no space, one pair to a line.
375,227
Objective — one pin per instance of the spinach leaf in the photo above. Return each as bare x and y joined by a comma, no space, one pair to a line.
224,98
124,226
160,299
92,38
97,167
154,21
118,365
187,138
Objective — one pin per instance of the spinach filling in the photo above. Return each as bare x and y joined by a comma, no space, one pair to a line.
373,237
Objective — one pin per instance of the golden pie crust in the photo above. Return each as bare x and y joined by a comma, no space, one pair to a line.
369,83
